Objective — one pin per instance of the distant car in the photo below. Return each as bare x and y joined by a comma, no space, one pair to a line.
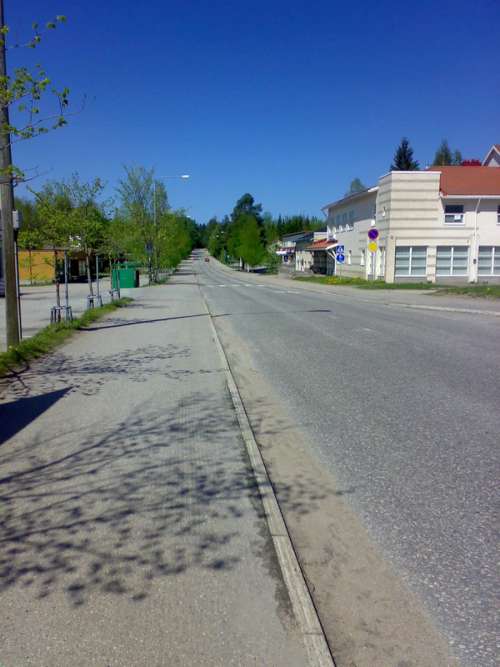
207,259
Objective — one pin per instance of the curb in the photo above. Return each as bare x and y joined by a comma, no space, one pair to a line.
305,612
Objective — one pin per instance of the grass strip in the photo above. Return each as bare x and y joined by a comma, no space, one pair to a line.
50,337
489,291
362,283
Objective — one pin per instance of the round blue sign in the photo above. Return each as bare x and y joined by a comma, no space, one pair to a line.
373,234
340,259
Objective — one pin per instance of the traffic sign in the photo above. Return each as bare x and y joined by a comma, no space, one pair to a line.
372,246
340,258
339,250
373,234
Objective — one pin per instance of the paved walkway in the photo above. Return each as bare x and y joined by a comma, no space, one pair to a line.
131,531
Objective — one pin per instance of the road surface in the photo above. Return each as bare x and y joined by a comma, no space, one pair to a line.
399,407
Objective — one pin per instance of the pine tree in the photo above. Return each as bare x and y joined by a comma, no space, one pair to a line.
457,158
443,155
403,158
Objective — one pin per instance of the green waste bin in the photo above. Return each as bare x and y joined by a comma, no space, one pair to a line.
129,277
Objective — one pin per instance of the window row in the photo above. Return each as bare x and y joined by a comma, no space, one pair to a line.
454,214
450,261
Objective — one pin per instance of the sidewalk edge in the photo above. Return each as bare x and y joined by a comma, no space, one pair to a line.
303,606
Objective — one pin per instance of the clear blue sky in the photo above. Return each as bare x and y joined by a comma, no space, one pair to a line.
286,100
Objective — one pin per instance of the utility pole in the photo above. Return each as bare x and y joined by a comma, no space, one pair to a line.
6,208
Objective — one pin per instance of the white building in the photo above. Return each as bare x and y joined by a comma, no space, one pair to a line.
442,224
304,257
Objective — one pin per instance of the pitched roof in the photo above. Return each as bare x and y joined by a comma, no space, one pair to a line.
351,195
469,180
324,244
495,148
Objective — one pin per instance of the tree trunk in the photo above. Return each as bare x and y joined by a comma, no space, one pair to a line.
89,275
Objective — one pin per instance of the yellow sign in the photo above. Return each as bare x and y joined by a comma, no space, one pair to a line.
372,246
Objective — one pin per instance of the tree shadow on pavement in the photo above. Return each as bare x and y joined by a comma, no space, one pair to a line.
117,510
89,373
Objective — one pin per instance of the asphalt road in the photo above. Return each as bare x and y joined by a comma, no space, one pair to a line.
401,407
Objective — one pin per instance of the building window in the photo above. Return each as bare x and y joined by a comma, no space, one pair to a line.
351,216
362,260
344,217
452,260
498,215
382,262
349,257
411,261
454,214
488,261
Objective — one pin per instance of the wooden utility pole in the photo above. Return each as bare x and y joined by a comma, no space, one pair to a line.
6,208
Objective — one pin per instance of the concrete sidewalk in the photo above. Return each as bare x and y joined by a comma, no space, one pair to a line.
131,529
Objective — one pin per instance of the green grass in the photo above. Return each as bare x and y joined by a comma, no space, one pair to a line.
488,291
362,283
52,336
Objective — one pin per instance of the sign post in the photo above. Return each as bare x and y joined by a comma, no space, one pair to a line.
372,248
339,256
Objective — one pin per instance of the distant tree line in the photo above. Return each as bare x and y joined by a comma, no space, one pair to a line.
248,235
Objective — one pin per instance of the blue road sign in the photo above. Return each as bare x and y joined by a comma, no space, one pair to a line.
340,258
339,250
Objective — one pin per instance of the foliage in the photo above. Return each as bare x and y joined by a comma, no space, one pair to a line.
249,235
356,186
145,228
403,157
471,163
22,93
50,337
31,233
72,216
250,248
444,155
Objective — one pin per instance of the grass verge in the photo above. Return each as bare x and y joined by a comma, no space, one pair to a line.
488,291
52,336
362,283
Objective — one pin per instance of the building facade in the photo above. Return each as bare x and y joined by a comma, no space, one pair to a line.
439,225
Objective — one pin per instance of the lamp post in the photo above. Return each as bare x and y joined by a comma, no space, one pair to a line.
183,177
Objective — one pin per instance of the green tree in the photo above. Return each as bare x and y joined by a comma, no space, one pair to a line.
250,248
31,233
444,156
403,157
246,206
73,217
356,186
22,93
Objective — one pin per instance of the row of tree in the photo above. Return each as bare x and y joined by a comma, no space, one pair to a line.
139,225
247,234
404,160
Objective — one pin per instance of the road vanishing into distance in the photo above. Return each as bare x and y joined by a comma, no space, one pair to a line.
401,408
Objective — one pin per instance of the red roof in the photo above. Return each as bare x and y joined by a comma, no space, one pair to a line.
469,180
321,245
